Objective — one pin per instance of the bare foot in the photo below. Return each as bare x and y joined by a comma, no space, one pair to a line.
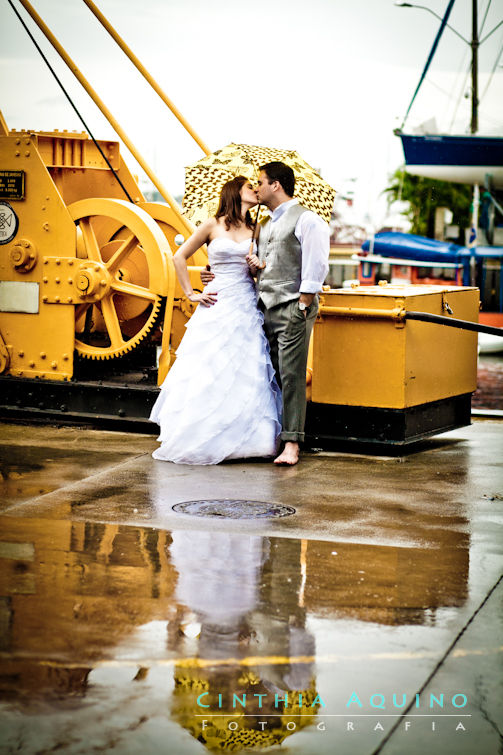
290,454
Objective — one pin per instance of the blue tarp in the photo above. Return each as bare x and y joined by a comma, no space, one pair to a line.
408,246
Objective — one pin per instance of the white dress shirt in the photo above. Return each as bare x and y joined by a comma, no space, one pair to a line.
313,235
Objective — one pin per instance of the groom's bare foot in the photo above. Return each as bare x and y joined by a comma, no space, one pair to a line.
290,454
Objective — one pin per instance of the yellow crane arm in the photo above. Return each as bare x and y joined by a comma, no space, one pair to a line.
141,68
108,115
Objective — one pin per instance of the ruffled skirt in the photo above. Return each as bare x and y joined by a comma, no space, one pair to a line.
220,400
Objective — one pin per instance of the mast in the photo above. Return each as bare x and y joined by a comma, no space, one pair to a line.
474,125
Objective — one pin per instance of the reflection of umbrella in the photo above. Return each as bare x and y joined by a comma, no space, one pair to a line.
204,179
250,735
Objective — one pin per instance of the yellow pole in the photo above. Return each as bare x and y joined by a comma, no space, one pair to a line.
153,83
108,115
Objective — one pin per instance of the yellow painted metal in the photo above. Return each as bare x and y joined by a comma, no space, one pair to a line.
178,308
384,314
101,266
123,278
141,68
366,355
108,115
40,345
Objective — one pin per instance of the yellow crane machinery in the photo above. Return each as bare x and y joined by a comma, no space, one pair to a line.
91,312
93,268
85,262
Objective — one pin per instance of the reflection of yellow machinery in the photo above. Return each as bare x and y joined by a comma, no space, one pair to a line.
85,272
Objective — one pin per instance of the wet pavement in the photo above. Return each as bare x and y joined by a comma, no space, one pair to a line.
374,611
489,393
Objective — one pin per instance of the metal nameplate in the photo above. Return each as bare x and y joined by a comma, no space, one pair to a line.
12,184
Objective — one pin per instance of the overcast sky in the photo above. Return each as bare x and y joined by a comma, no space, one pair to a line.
330,78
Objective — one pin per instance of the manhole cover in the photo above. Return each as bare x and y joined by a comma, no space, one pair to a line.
234,509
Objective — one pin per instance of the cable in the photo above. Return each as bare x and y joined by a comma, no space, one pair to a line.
498,56
485,16
51,69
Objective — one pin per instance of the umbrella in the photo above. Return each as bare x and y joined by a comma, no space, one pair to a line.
204,179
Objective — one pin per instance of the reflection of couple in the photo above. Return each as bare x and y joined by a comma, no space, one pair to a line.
220,399
252,642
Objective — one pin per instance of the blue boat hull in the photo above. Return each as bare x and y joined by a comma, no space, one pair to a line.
464,159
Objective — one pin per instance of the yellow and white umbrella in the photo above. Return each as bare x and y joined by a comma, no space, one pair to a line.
204,179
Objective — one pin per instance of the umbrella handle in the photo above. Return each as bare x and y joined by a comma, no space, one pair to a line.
250,252
262,264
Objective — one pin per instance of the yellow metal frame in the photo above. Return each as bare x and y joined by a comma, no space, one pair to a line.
366,354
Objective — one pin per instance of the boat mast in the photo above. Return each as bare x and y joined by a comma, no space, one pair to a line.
474,125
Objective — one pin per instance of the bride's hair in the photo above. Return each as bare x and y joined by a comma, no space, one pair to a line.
229,206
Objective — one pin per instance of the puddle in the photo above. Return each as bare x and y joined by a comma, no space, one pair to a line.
120,638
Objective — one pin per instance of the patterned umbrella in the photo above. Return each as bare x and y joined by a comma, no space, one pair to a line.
204,179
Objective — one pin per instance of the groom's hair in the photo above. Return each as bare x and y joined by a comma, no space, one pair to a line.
278,171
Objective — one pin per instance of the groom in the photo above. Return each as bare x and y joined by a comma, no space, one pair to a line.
294,245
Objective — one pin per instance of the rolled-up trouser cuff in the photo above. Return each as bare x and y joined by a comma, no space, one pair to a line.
293,437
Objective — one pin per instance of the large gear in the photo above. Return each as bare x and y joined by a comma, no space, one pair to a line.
122,277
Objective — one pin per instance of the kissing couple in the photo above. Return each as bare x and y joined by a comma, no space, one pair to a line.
238,386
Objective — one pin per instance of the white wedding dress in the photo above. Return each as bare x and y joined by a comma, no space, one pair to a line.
220,399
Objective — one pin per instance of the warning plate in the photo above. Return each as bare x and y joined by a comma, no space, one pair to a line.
12,184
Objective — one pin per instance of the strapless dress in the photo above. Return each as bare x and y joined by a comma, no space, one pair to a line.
220,399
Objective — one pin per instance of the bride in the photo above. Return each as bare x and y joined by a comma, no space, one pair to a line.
220,399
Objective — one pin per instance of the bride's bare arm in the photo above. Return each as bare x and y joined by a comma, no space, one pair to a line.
187,249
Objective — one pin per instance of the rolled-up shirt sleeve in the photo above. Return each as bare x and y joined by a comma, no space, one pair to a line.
313,235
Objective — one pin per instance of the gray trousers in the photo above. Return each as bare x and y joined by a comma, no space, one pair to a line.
288,331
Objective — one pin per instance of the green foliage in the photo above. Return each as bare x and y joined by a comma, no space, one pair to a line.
424,195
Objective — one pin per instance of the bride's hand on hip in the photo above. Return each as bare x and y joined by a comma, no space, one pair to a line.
207,299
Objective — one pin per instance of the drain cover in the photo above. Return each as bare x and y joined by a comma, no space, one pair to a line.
234,509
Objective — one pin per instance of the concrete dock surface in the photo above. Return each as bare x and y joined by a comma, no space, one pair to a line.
367,620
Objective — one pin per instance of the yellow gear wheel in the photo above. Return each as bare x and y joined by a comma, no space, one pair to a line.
123,273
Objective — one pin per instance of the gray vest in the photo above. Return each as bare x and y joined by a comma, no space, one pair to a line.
279,248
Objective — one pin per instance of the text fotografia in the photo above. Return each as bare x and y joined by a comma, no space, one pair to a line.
348,726
354,702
